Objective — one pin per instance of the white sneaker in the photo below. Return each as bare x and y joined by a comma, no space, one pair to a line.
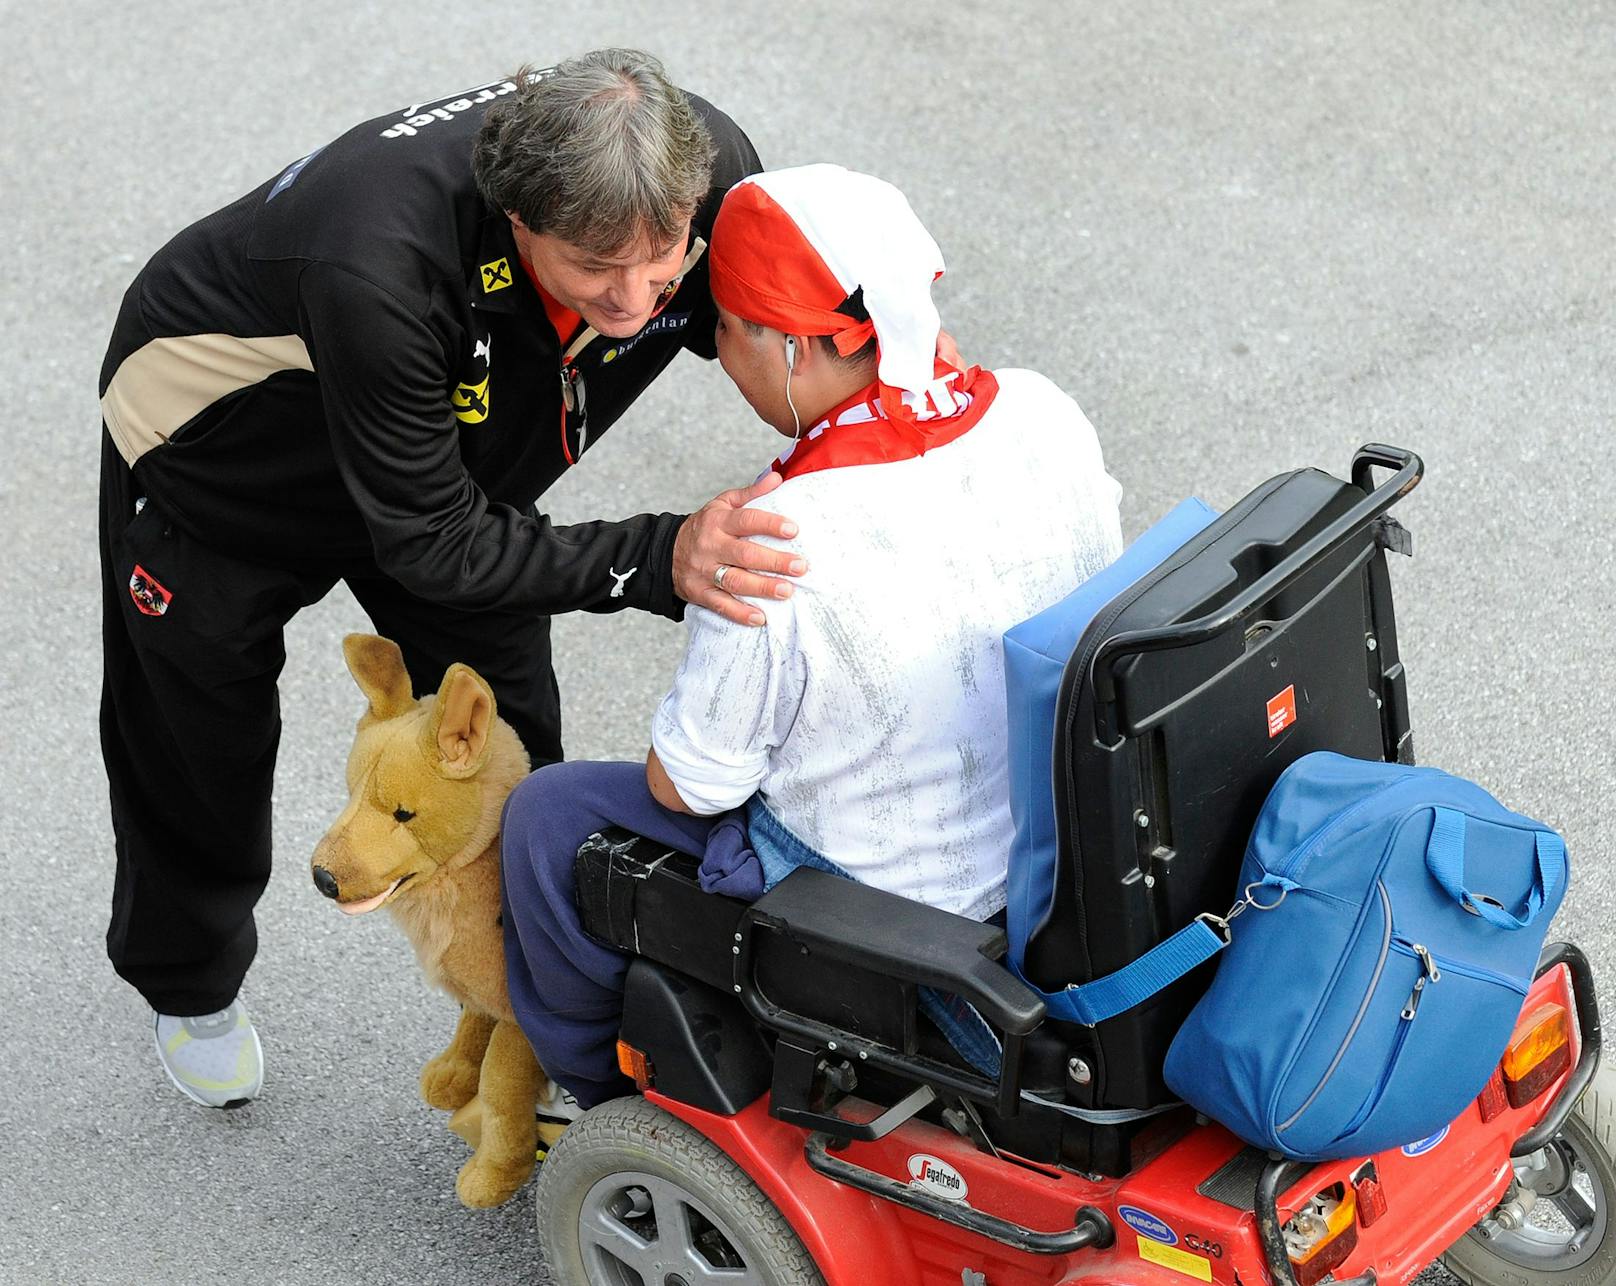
558,1106
215,1058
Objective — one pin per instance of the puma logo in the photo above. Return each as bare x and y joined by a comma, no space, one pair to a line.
619,577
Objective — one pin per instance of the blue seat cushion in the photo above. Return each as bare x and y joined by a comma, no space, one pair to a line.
1035,657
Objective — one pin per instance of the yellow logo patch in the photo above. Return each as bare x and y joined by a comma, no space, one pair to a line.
470,402
496,275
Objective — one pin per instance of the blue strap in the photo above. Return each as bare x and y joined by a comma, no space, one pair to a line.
1445,859
1093,1002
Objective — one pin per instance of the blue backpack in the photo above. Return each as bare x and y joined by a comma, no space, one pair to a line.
1390,927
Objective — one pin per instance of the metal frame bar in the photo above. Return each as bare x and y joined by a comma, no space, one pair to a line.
1090,1228
1582,991
1410,469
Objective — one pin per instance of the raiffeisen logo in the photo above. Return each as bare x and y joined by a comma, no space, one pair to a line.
937,1177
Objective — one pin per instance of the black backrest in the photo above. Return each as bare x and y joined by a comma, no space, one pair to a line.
1169,738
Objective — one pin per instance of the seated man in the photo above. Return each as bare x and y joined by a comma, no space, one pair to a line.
863,729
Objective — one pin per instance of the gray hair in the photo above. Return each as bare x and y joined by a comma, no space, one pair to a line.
600,150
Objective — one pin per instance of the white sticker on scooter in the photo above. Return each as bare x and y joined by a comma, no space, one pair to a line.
1425,1145
934,1175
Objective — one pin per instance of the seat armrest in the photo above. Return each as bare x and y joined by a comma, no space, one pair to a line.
645,898
899,938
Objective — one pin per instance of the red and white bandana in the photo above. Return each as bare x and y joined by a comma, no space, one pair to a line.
788,246
859,431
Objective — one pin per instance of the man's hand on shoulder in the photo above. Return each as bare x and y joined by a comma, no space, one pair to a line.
716,536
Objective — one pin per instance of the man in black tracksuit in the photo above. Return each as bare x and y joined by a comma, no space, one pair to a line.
355,373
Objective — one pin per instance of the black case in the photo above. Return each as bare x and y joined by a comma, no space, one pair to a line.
1164,751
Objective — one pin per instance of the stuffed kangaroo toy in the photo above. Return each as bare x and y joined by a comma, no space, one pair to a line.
420,835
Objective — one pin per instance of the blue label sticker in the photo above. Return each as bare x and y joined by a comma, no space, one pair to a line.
290,176
1425,1145
1147,1224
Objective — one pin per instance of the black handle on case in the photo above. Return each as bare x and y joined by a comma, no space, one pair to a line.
1410,469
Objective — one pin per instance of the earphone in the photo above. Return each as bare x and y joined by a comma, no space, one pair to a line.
791,362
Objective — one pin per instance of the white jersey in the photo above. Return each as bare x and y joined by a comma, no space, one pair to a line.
869,712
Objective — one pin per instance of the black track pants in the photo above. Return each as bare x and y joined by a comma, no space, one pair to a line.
190,721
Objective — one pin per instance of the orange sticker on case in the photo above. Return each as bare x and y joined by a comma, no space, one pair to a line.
1282,711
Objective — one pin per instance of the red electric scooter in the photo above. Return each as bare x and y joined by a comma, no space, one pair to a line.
800,1122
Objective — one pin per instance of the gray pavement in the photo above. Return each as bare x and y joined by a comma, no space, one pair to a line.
1246,236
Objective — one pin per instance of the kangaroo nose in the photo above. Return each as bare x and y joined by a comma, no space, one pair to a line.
325,881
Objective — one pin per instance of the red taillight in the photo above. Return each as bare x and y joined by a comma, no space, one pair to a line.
1371,1200
1493,1102
1538,1052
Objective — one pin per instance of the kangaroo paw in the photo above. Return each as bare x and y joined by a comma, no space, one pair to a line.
449,1082
483,1183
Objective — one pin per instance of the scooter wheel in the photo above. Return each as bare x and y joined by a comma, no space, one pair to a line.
1561,1232
630,1194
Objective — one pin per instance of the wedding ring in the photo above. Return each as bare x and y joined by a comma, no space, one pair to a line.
722,571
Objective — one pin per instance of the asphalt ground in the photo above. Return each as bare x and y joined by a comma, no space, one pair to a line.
1246,236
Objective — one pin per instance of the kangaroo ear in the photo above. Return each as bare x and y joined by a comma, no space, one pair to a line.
456,736
378,667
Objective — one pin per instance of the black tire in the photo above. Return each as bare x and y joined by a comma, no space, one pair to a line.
1575,1241
658,1197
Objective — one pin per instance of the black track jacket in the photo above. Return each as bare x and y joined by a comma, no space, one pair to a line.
350,366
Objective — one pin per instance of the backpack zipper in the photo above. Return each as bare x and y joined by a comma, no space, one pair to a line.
1405,1026
1428,970
1429,973
1357,1019
1480,972
1309,847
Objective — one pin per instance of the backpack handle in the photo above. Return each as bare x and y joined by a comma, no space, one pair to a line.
1445,859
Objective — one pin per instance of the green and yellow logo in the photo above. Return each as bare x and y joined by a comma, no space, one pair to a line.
470,402
496,275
